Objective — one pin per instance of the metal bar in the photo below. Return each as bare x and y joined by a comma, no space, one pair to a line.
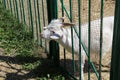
20,12
44,21
89,36
11,5
5,3
80,57
54,47
28,21
62,2
36,20
17,10
72,40
64,8
101,40
14,8
31,17
43,12
65,59
115,61
56,55
8,4
39,21
50,17
91,63
64,48
24,17
56,8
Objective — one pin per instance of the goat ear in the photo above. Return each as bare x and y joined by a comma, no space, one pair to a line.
68,24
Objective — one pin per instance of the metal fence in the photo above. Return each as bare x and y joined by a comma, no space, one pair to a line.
115,62
32,13
38,13
80,12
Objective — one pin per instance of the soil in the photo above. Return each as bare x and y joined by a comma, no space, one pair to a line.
10,69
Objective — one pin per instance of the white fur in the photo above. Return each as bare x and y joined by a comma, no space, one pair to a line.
55,31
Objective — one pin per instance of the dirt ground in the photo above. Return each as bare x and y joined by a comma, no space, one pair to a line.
10,69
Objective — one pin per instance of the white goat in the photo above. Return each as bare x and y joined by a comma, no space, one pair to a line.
56,31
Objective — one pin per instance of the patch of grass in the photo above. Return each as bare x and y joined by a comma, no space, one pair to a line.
19,43
13,35
14,39
31,66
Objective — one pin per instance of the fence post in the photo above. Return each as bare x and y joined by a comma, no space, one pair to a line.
4,3
115,63
53,46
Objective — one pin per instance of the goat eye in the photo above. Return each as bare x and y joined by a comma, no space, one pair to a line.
53,32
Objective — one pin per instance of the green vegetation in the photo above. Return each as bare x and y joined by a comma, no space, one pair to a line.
54,78
14,39
13,35
17,42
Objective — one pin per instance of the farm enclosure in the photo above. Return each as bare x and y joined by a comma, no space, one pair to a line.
35,20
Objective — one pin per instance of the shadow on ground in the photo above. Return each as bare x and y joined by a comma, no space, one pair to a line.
11,69
15,72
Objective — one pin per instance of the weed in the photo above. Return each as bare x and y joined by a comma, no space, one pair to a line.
60,77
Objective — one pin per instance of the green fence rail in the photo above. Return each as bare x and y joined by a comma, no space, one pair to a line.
36,14
54,47
115,63
87,53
